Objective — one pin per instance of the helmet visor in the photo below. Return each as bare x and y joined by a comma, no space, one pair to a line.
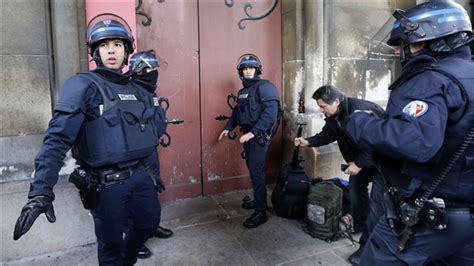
141,61
378,47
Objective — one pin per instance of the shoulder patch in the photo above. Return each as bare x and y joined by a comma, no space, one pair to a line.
415,108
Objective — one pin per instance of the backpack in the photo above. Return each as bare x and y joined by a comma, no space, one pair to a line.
324,211
290,195
346,201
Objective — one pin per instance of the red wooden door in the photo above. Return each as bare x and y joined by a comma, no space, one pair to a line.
200,43
222,42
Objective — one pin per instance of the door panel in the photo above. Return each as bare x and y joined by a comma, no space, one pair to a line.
201,42
173,34
221,44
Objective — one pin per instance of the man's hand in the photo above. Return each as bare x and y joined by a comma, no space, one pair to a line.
353,169
32,209
224,133
246,137
301,142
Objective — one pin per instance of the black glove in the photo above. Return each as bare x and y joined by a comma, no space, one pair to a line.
32,209
159,185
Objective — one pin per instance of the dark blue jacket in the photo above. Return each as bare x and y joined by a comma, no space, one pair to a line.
333,131
79,104
428,116
257,107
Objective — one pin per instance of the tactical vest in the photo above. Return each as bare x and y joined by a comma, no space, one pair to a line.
124,131
458,185
250,106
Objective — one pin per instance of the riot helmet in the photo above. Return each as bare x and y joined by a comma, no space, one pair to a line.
444,25
140,61
249,60
108,26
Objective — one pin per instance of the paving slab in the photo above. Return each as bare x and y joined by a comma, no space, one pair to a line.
209,231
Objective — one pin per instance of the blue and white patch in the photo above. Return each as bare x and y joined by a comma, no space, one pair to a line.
155,101
415,108
127,97
243,96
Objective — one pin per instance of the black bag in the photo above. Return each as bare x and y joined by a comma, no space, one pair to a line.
290,195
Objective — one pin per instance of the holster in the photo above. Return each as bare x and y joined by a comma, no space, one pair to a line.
89,187
390,203
263,139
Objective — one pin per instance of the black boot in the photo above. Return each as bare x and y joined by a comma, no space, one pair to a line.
144,253
256,219
247,205
354,258
163,232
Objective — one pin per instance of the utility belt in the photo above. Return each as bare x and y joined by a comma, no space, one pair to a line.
399,210
90,181
115,174
262,138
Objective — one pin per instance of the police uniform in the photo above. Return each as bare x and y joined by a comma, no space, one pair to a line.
256,112
429,116
332,131
114,137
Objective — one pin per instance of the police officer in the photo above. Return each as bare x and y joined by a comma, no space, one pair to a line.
430,114
143,67
110,125
337,107
256,113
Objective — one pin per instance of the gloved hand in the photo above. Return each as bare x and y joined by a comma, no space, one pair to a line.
32,209
159,185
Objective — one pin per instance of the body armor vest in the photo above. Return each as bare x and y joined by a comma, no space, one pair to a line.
126,129
249,106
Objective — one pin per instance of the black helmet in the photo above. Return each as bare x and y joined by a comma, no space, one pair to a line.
249,60
141,60
108,26
429,21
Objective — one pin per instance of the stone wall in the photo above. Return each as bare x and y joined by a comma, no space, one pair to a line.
41,46
327,42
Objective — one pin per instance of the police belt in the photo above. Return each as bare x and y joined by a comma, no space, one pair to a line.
115,174
453,203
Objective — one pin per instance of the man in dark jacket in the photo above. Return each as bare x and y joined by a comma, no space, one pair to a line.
256,113
110,125
336,107
143,67
429,162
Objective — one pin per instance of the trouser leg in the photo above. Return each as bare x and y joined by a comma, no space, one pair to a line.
255,155
145,213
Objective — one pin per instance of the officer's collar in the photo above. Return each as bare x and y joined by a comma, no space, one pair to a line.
460,52
147,86
113,76
250,82
418,61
